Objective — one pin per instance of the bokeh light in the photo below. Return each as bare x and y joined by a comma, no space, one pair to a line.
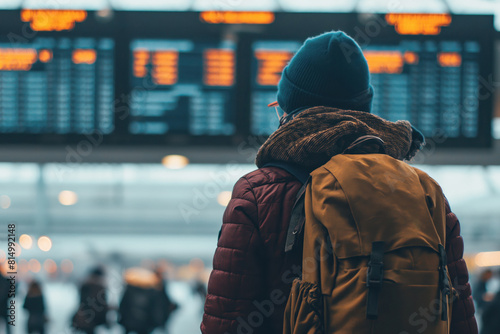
68,197
175,161
5,202
26,241
224,197
66,266
487,259
6,267
44,243
50,266
34,265
23,266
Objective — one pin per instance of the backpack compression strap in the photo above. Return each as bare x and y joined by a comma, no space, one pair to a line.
374,278
444,283
298,215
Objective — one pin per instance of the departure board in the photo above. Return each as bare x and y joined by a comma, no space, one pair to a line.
182,86
269,59
433,84
57,86
206,78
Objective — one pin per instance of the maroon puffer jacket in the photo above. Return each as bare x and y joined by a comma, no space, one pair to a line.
252,276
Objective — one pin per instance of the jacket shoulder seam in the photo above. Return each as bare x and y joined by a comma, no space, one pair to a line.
254,198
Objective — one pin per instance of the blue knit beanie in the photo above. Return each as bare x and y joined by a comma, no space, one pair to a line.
328,70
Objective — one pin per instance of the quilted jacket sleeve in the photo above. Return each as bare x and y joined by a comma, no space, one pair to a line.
463,320
236,280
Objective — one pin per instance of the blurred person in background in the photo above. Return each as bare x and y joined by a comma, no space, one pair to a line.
4,300
198,284
139,308
93,307
35,305
491,314
200,288
164,305
480,291
323,104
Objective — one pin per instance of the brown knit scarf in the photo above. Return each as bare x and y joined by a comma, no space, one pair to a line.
319,133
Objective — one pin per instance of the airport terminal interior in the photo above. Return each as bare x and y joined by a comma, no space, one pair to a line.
124,126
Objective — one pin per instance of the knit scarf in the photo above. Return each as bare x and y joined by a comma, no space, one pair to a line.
314,136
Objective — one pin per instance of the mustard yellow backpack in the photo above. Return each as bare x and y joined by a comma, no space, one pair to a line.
373,250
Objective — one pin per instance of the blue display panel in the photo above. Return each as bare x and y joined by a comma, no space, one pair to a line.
433,84
269,59
57,86
182,86
207,82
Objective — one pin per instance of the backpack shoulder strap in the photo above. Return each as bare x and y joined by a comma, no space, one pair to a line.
298,215
366,144
297,219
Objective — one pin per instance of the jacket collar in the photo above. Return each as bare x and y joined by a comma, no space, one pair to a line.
314,136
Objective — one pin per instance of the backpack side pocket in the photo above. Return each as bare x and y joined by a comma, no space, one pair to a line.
304,310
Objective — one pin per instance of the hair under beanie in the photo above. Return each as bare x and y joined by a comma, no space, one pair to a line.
328,70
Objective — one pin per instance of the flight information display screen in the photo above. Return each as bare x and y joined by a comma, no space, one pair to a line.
57,86
433,84
206,78
269,59
182,86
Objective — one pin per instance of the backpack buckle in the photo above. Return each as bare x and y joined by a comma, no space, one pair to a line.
375,275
